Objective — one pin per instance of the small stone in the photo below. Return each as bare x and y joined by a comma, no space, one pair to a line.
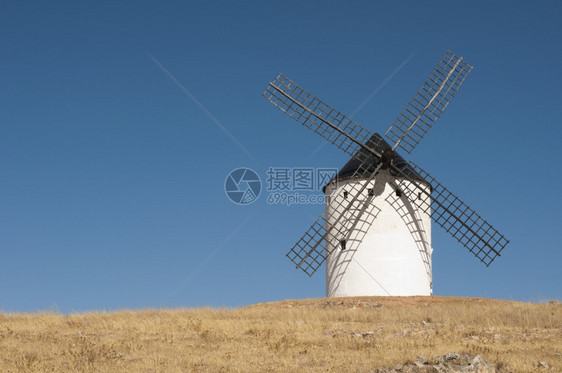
497,336
451,356
438,368
465,359
421,359
543,364
475,338
482,365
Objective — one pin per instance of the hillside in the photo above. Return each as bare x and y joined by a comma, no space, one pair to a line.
317,335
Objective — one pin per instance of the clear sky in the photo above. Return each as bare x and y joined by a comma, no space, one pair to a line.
113,160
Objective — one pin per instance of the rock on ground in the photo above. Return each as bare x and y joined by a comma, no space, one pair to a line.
448,363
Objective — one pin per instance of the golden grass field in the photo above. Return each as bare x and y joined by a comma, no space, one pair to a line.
317,335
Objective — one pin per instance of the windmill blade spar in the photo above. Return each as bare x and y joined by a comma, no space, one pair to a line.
311,112
308,253
455,217
429,103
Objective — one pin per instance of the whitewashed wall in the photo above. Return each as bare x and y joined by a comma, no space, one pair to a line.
388,252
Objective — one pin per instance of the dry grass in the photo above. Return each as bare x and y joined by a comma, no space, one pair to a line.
337,334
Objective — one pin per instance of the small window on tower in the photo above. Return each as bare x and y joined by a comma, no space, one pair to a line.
419,195
398,193
342,245
345,193
371,192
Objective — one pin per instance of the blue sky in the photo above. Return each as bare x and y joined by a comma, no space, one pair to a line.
112,177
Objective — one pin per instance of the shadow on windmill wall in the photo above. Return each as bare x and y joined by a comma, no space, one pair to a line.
412,219
357,221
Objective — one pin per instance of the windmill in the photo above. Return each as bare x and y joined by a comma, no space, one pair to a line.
375,232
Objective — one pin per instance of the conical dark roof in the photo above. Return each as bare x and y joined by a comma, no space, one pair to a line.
377,143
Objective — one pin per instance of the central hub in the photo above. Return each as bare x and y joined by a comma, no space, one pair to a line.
386,158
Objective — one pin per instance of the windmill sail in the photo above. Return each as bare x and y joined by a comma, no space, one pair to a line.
308,110
309,251
429,103
457,218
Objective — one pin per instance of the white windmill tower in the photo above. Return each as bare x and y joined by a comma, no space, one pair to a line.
375,233
387,249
